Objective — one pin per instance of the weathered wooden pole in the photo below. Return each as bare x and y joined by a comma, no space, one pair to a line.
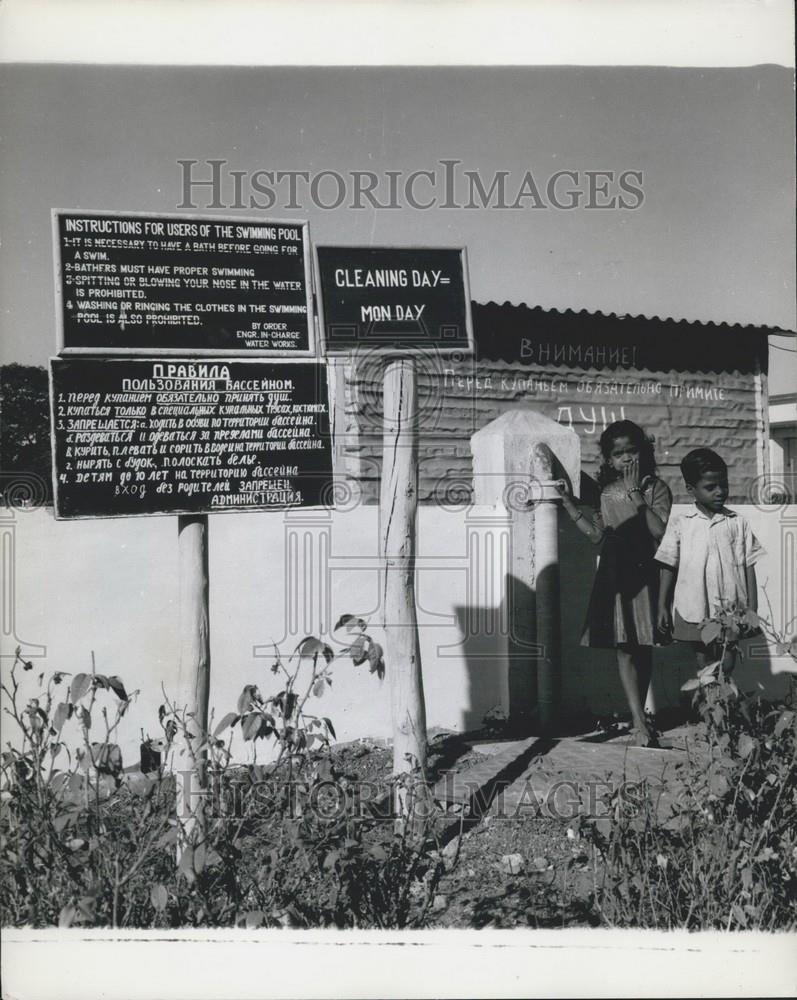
398,509
194,672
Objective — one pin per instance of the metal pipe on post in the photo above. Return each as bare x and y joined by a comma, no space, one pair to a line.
549,623
522,637
515,458
398,510
194,670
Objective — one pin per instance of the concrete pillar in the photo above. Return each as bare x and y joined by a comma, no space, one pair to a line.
546,578
517,460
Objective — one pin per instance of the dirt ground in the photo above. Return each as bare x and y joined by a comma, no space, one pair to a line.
501,871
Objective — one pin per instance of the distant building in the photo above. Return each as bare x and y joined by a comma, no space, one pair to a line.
783,416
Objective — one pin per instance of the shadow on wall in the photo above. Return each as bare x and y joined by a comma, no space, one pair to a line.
589,677
483,650
590,680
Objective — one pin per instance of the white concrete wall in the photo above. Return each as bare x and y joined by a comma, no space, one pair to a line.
111,586
590,676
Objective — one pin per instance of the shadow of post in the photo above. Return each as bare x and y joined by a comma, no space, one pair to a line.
485,654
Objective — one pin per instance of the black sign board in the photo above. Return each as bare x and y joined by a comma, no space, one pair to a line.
159,284
188,436
394,299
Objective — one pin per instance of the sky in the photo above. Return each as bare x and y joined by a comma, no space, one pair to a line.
713,239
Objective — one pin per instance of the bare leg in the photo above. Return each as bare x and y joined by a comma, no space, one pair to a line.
686,698
635,664
728,661
705,655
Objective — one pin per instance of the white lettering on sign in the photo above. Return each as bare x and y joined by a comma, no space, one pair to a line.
191,371
387,277
387,314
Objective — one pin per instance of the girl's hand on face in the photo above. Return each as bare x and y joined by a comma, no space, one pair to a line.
563,490
631,475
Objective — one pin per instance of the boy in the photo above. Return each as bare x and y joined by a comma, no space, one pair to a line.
713,550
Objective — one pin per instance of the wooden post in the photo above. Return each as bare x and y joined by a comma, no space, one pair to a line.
398,508
194,674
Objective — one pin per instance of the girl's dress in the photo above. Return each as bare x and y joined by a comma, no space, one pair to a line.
622,607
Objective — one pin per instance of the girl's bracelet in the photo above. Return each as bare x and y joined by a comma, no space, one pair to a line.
578,515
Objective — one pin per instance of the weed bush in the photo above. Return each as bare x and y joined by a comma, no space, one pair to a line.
83,842
725,855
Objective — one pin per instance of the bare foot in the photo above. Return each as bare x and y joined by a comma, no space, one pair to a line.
644,737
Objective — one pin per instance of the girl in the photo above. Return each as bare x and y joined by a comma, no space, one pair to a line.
635,506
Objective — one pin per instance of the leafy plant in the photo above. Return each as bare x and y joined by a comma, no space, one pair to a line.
345,869
319,868
74,835
283,716
85,842
725,855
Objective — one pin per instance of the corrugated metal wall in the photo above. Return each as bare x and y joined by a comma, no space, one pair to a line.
681,408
